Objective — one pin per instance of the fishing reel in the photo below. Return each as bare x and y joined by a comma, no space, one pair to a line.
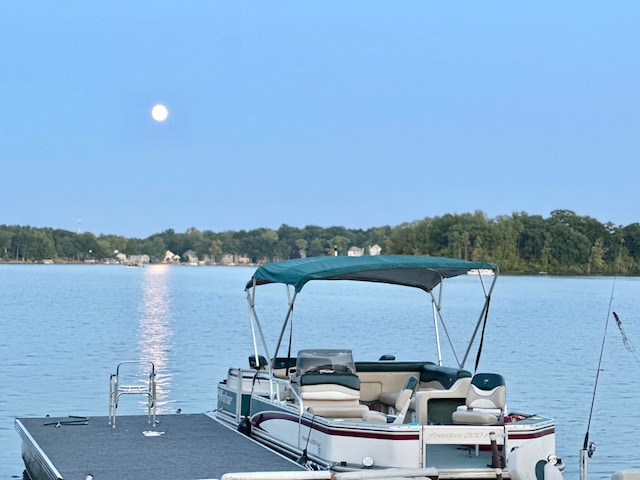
591,449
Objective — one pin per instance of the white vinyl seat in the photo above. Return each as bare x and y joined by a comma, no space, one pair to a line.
485,402
402,405
327,383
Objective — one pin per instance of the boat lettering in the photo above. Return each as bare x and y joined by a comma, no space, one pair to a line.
224,398
311,441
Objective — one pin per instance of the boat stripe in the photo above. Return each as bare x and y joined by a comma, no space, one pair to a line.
348,431
344,431
529,435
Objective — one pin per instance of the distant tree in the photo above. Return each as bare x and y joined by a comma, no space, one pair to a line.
340,243
301,248
194,239
477,253
378,235
89,247
545,255
596,262
173,241
506,232
5,242
230,243
215,250
30,244
153,246
562,243
316,248
631,238
570,249
137,246
532,238
404,240
110,244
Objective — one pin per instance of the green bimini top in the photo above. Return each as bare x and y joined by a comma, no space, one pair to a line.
412,271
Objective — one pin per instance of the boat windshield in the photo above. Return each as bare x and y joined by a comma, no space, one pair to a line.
326,361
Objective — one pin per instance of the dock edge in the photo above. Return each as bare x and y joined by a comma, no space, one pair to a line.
35,460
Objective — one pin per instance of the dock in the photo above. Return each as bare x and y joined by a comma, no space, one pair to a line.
179,447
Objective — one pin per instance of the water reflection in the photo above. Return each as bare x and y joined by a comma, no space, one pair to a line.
154,332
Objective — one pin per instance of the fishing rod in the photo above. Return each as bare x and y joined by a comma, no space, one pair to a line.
589,448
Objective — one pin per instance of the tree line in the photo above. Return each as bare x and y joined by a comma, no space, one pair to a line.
563,243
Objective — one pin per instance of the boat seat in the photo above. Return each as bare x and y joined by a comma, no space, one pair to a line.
436,406
283,367
432,377
332,410
440,378
403,401
331,394
485,402
260,364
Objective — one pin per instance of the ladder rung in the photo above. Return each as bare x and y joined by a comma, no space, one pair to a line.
133,389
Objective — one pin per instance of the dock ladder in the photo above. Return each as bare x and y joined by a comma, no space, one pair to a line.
141,381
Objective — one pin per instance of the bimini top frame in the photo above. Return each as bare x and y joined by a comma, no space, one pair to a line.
423,272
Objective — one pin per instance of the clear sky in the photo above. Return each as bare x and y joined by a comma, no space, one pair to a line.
357,114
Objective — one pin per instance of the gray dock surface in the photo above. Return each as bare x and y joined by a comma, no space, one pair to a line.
180,447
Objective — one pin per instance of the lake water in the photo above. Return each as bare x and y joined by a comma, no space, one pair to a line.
65,328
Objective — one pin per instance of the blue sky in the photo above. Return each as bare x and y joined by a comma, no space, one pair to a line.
357,114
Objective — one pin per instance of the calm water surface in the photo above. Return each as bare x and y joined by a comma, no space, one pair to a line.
65,328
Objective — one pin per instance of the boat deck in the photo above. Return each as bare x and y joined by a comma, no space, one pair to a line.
181,446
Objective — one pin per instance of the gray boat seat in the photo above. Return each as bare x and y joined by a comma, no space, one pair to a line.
485,402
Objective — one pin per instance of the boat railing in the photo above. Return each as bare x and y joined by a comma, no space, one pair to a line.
259,382
284,391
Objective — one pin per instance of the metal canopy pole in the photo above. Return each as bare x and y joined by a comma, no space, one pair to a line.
287,318
251,292
255,323
435,326
435,308
483,313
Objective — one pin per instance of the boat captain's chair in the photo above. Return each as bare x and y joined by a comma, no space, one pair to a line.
403,401
485,402
327,385
258,363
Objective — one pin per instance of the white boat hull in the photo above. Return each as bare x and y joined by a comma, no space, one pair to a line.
456,451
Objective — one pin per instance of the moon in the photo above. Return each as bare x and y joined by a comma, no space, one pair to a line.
159,112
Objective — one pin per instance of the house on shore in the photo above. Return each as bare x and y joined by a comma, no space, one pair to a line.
170,257
375,250
359,252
